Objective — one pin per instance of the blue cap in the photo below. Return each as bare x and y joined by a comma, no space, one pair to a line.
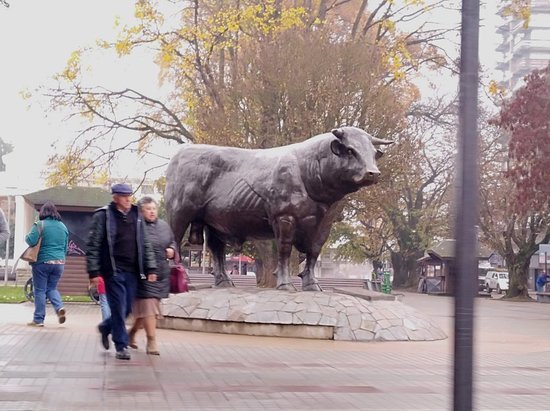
122,189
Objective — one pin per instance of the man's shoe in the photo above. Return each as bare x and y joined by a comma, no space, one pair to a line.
123,354
33,324
61,315
104,337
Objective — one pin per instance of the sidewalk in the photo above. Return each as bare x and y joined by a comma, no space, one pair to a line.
64,367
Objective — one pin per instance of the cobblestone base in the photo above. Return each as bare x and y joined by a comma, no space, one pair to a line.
248,311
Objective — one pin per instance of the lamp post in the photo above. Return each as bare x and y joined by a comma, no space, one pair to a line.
8,221
467,207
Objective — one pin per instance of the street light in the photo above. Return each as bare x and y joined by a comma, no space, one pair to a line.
8,222
467,207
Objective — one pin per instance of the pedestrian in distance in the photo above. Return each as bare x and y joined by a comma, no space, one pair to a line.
119,251
50,262
146,309
542,279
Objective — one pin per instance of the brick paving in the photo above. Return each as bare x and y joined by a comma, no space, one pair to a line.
63,367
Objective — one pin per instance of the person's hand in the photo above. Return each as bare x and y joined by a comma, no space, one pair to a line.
151,277
94,282
170,253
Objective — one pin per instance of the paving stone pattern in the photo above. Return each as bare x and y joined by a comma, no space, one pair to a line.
353,318
64,367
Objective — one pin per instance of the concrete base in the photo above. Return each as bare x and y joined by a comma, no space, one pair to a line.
317,332
367,294
318,315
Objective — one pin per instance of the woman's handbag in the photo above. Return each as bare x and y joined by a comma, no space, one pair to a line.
31,253
178,277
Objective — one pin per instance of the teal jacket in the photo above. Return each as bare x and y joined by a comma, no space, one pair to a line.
55,239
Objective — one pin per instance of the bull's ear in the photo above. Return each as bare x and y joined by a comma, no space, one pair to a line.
378,141
338,133
379,153
338,148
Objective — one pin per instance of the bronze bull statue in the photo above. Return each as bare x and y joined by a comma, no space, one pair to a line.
289,193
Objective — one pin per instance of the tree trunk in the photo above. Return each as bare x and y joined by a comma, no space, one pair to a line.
266,263
518,273
405,269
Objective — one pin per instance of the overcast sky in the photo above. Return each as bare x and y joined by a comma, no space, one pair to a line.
36,39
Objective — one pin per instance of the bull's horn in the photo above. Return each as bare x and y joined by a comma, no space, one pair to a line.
378,141
338,132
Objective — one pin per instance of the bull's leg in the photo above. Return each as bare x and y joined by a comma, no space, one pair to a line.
196,233
179,224
285,228
309,282
217,248
179,220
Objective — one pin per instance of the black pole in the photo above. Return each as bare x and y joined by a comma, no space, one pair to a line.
467,207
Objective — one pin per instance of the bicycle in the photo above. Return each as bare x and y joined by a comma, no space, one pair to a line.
28,289
29,292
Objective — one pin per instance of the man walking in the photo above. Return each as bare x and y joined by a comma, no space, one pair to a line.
119,251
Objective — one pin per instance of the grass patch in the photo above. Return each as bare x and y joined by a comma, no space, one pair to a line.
76,298
11,294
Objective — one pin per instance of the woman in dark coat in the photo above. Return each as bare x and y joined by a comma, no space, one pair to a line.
146,308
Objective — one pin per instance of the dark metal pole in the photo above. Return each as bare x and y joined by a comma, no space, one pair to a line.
467,207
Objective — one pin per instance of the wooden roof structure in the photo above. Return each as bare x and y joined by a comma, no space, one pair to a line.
70,198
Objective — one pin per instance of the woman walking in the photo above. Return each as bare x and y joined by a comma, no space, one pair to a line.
146,308
49,265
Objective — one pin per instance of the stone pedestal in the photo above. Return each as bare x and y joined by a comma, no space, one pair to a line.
321,315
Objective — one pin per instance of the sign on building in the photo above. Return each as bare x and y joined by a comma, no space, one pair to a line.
544,254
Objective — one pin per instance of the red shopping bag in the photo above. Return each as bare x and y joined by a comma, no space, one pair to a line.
178,277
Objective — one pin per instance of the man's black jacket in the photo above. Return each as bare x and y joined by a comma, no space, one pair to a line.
99,256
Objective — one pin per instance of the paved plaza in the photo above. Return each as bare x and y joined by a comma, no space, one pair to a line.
64,367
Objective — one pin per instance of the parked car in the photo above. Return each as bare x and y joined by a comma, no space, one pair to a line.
496,280
481,283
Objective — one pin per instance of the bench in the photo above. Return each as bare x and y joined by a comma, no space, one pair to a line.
543,297
250,281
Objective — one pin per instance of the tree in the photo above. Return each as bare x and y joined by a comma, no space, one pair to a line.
514,205
515,234
253,74
519,9
525,118
205,53
408,210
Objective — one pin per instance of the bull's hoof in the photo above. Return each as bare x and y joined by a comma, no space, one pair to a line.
312,287
224,284
286,287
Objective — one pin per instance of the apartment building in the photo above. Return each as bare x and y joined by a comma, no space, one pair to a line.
523,49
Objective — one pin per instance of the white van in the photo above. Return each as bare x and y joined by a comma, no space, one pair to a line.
496,280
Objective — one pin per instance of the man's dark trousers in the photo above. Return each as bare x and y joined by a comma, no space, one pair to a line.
121,292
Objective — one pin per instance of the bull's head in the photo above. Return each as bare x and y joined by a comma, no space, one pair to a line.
357,154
